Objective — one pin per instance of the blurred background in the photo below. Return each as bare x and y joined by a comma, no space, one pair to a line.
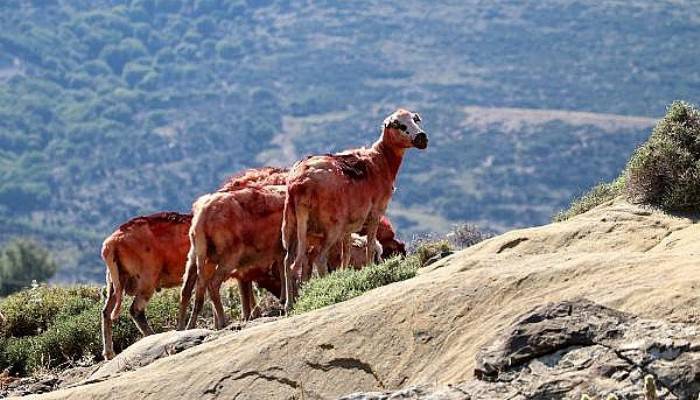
111,109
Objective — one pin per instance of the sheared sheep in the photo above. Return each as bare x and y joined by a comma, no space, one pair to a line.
148,253
232,234
332,196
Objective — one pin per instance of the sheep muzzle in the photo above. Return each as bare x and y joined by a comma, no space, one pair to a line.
420,141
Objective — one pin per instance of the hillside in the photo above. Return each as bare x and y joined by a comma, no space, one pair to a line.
114,108
429,329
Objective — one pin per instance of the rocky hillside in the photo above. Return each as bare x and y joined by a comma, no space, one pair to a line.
505,310
114,108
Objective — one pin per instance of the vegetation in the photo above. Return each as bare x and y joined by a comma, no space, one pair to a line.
343,285
111,109
664,171
21,263
650,392
601,193
50,327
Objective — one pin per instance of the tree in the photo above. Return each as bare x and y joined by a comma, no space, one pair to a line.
21,262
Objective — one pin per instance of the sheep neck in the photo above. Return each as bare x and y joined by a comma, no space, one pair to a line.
391,154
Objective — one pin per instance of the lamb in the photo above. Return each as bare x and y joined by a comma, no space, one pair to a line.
386,235
148,253
358,253
329,197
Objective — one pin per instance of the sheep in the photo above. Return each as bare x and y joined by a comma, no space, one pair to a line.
148,253
265,176
232,234
386,236
386,246
357,252
144,254
238,234
331,196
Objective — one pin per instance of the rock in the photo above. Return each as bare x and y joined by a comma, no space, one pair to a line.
437,257
410,393
429,329
566,349
547,330
30,385
150,349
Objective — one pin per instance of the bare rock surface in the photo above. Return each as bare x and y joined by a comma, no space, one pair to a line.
429,329
150,349
563,350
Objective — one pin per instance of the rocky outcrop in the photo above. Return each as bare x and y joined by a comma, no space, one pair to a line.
150,349
563,350
428,330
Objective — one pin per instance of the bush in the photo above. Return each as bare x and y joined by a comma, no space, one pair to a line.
345,284
116,56
466,235
21,262
49,327
665,171
428,252
30,312
600,194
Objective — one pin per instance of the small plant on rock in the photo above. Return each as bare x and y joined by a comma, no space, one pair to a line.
650,388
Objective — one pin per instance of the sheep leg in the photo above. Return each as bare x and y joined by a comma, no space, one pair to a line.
300,268
345,252
371,224
255,311
205,274
190,279
330,239
279,272
247,298
215,296
138,313
378,251
289,231
200,291
107,343
322,262
287,277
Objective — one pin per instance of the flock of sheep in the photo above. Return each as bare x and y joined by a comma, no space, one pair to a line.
269,226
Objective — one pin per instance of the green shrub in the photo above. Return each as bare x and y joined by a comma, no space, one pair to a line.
665,171
48,327
430,250
600,194
21,262
30,312
345,284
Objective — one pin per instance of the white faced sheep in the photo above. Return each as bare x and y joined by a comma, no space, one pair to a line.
332,196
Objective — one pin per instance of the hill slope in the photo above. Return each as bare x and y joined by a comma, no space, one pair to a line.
114,108
428,329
